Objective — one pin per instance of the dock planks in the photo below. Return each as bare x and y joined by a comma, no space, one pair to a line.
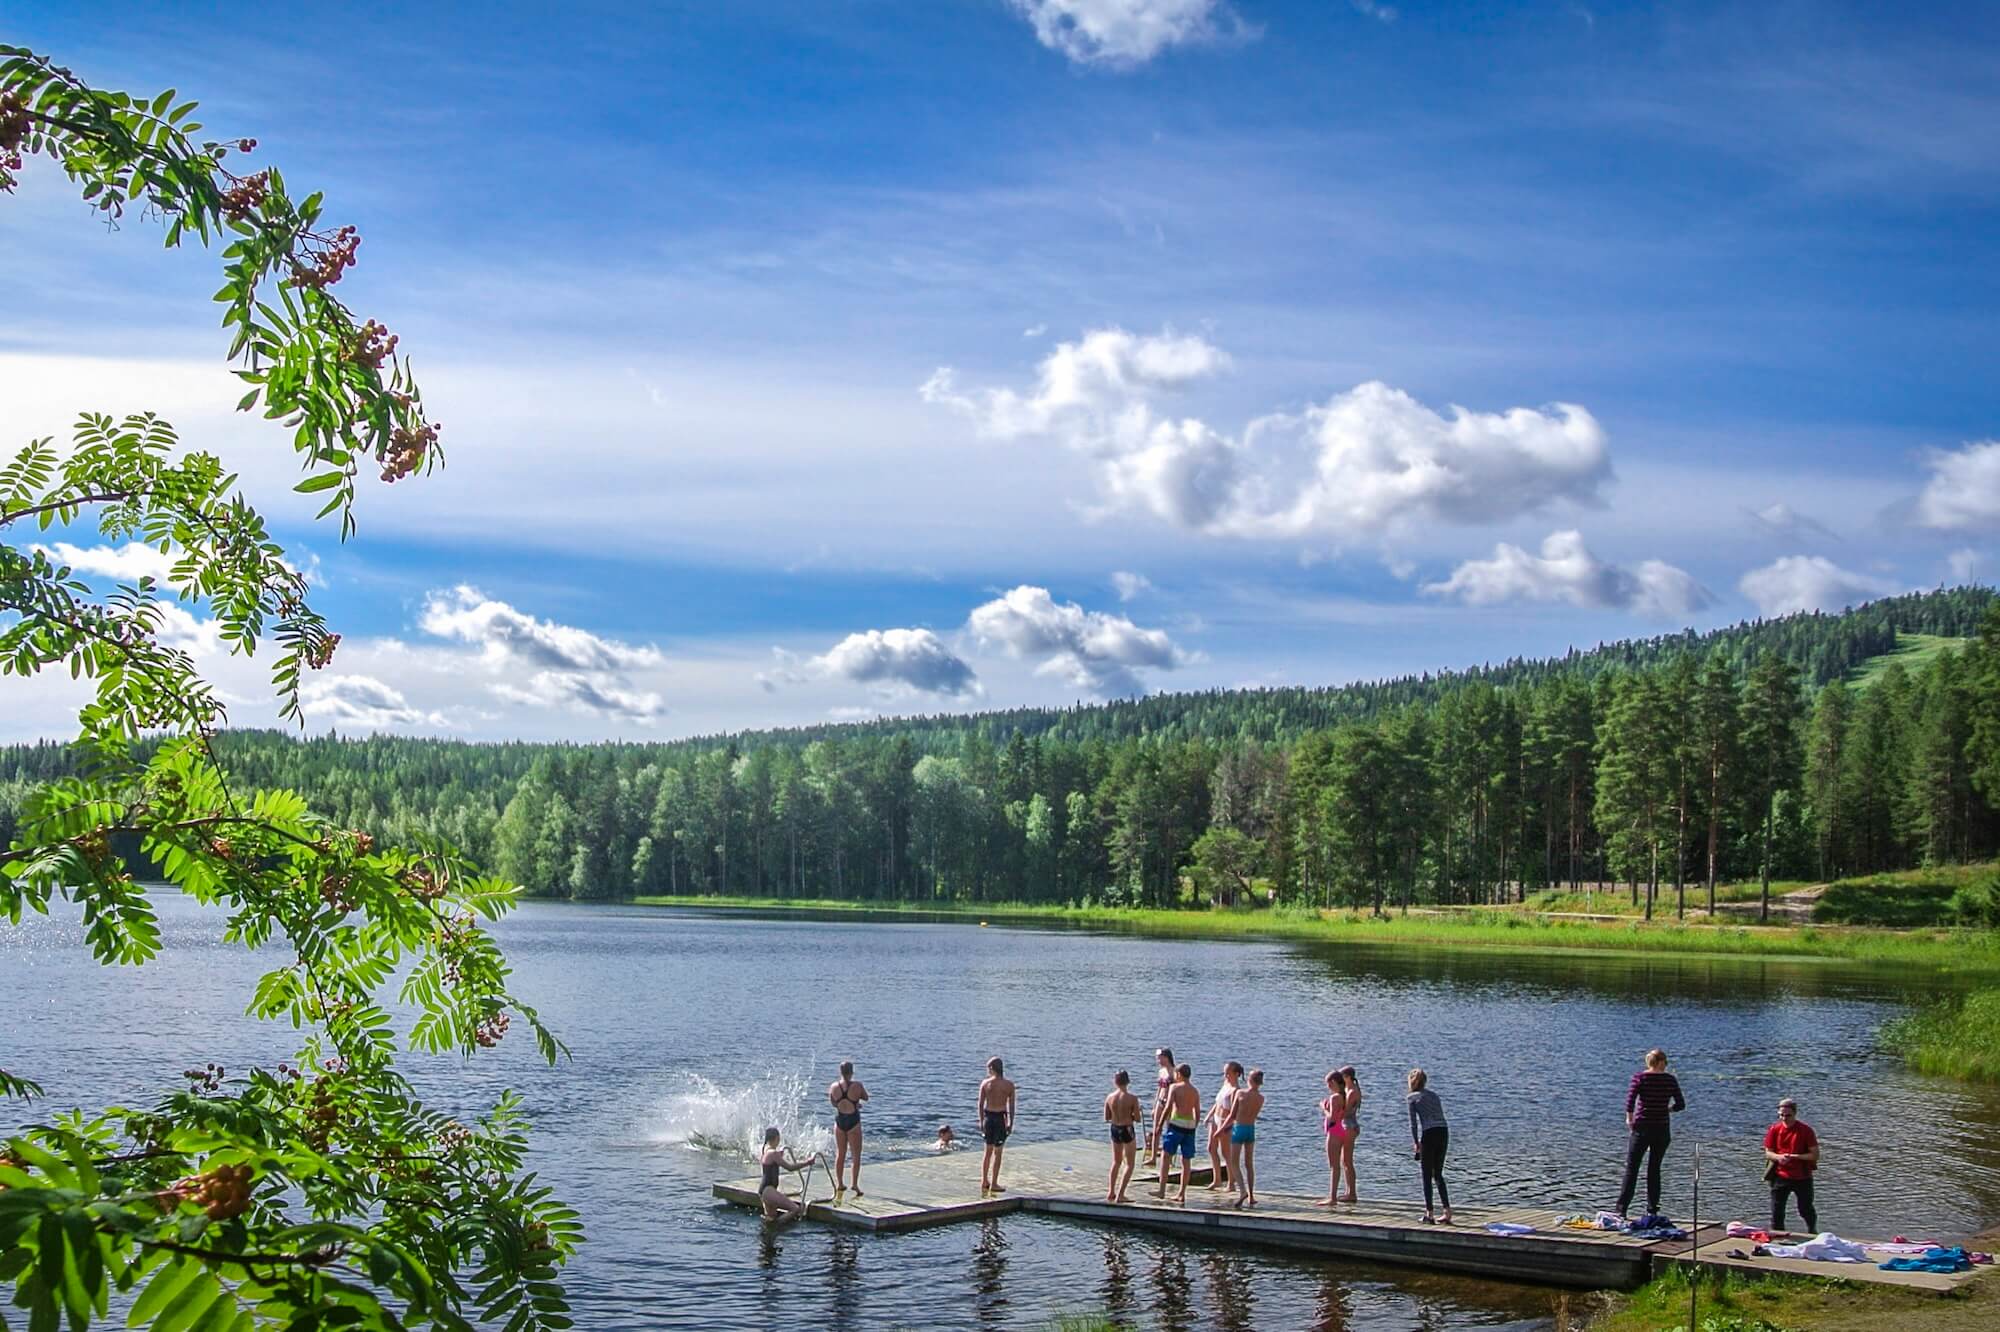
1067,1179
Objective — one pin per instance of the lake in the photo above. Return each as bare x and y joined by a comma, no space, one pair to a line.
692,1028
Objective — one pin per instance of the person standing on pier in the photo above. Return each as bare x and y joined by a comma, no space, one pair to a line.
1429,1137
1163,1082
1654,1095
1333,1112
1243,1112
996,1121
1122,1111
1183,1122
847,1096
1792,1149
1220,1170
1352,1123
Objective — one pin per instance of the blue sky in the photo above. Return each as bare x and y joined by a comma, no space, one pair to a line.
1282,342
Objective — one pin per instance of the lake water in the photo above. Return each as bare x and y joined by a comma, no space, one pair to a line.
689,1026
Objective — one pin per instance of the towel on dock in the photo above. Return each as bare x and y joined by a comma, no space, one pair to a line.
1509,1228
1953,1259
1825,1248
1666,1232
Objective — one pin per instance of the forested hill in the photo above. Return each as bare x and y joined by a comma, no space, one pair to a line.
1681,757
1825,646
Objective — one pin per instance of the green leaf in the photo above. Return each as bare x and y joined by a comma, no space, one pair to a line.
324,481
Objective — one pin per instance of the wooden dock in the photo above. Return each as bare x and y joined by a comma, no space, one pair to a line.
1067,1179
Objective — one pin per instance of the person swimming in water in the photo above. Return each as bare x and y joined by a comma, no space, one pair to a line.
1183,1122
777,1204
1333,1116
947,1141
847,1096
1243,1112
1121,1112
996,1119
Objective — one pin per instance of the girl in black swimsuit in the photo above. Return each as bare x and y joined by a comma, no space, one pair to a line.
778,1206
847,1096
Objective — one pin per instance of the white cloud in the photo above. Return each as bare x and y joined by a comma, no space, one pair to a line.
574,667
127,563
894,661
466,614
1034,330
1809,582
362,700
1788,524
604,695
1964,489
1130,585
1092,650
1123,33
1380,12
1964,564
1367,463
1566,571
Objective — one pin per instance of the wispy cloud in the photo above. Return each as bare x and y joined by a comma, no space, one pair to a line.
570,666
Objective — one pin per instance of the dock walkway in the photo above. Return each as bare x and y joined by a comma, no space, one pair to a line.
1067,1179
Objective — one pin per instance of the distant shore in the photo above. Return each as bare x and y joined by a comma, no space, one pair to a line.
1959,952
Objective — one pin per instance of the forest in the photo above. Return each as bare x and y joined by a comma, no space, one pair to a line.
1664,765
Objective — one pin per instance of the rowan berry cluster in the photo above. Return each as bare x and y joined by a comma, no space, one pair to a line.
318,654
13,132
322,1115
489,1032
205,1079
332,262
373,345
246,196
221,847
94,847
363,843
337,891
223,1192
406,450
423,883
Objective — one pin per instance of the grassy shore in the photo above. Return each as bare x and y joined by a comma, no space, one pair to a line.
1730,1303
1954,1038
1974,953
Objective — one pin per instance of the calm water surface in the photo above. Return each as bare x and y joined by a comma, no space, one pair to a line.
691,1029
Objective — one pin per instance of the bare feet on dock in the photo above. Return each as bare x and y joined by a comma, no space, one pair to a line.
1326,1202
1350,1198
1121,1198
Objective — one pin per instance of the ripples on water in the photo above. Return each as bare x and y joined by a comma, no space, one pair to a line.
693,1033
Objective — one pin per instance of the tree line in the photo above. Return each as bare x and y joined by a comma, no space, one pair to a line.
1665,766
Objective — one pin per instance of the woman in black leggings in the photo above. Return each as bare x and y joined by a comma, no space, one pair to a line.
1428,1139
1653,1096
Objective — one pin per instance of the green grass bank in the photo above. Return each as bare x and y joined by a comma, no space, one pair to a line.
1732,1303
1972,953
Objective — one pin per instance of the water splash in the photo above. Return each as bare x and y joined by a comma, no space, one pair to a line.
732,1120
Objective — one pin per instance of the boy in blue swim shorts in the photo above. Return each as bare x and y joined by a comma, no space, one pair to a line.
1243,1112
1183,1121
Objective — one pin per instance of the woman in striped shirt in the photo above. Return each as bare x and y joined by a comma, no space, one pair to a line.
1653,1096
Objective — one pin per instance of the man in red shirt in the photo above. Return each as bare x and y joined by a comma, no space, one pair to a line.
1792,1148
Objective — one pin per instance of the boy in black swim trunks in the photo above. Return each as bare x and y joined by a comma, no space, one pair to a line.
1121,1111
996,1121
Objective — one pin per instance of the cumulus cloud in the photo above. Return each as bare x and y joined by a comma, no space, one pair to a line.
1566,571
127,563
1809,582
466,614
1788,524
892,661
572,667
1130,585
1092,650
1364,464
1124,33
362,700
1964,490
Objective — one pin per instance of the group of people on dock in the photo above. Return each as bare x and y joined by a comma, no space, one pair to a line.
1175,1127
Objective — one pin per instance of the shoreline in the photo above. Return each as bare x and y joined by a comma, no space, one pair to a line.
1970,953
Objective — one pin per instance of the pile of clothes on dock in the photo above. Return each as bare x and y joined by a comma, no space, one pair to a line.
1651,1226
1897,1255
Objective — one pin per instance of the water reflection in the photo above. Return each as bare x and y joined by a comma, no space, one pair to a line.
989,1272
1231,1297
1116,1288
1332,1312
1171,1305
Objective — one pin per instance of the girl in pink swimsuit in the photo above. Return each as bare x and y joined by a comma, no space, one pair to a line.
1333,1113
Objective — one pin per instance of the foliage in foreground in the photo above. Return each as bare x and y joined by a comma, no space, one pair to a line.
321,1192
